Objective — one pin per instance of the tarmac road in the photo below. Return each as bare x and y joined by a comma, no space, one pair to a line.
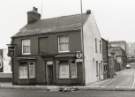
123,79
42,93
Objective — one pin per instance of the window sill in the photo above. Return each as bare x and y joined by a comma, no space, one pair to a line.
26,53
63,51
23,78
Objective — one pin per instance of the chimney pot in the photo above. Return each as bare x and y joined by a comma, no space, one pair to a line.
35,9
88,12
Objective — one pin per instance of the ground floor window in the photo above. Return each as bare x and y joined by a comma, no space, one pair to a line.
32,70
23,72
73,69
67,70
63,70
27,70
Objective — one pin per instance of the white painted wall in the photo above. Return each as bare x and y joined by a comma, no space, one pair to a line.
6,62
90,32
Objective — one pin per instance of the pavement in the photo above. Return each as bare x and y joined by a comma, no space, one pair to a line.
123,81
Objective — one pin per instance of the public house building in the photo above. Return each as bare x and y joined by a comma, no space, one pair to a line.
54,51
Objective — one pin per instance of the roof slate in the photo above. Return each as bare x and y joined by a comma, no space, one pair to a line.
58,24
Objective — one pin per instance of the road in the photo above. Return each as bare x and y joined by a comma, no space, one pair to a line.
123,79
42,93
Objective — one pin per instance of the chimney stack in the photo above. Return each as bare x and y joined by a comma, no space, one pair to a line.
33,16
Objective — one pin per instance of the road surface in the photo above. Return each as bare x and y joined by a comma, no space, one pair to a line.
123,79
42,93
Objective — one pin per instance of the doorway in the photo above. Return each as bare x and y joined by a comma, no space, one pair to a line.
49,74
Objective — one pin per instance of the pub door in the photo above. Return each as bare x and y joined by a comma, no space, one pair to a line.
49,74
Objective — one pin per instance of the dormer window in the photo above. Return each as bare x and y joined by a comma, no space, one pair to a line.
26,45
63,44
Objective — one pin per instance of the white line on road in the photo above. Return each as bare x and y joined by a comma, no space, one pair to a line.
133,81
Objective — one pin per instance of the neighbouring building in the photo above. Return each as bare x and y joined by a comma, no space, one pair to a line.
111,69
5,66
53,51
5,61
121,44
105,57
120,58
131,52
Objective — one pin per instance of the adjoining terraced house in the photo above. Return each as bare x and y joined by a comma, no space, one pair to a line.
49,51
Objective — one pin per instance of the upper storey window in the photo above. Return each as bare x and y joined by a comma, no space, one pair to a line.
63,44
26,47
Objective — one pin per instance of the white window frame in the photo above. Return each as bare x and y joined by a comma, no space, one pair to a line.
23,41
59,44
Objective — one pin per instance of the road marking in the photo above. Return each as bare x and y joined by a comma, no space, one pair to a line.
133,81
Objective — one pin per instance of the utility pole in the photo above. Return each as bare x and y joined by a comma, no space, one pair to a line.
42,6
82,41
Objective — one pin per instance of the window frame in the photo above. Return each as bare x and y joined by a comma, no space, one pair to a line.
71,72
63,43
22,43
71,77
68,71
96,49
29,72
27,66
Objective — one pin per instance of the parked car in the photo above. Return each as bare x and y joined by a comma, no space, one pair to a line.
128,66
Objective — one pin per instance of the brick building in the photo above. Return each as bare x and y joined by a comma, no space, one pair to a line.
50,51
105,57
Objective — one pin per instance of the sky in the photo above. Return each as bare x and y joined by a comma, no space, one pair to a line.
115,18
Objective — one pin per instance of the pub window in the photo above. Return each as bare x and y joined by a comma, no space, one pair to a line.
32,70
23,71
73,70
64,70
26,47
63,43
67,70
27,70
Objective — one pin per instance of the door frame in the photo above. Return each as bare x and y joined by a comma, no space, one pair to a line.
47,72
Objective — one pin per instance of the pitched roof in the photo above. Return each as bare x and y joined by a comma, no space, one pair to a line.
58,24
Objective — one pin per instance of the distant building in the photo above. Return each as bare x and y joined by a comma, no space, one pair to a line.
131,49
121,44
120,58
105,57
49,51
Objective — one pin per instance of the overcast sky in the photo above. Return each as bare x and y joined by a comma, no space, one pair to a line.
115,18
